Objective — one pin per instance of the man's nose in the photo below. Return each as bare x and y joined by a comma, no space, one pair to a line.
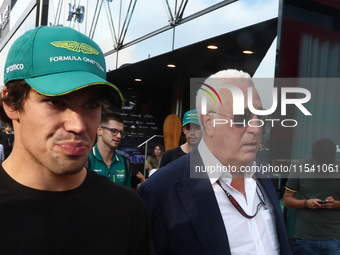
254,125
74,121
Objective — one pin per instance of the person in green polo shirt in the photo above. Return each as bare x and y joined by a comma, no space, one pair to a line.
103,157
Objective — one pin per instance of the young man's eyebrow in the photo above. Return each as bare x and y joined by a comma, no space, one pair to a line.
97,97
66,97
61,97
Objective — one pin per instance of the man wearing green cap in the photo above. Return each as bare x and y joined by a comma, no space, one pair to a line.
50,203
193,134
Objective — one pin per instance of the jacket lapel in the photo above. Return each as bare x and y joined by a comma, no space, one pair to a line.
199,202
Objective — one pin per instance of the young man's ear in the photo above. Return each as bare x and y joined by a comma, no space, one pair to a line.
99,131
8,108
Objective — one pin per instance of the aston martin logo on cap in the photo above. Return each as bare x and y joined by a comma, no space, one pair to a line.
75,46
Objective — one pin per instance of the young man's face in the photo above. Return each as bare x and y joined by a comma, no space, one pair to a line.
56,134
105,134
193,133
8,129
157,151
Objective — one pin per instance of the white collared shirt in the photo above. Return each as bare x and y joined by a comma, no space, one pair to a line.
256,236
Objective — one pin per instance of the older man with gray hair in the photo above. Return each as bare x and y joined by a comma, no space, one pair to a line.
229,211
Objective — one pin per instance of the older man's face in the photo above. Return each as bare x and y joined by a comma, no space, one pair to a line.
231,144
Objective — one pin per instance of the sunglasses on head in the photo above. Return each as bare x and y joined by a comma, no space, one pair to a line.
241,120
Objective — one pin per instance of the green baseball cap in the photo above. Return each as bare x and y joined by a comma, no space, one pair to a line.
191,117
58,60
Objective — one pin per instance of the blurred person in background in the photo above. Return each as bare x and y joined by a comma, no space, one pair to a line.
317,225
103,157
153,165
158,153
7,139
192,130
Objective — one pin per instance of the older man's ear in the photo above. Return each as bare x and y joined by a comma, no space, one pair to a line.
207,122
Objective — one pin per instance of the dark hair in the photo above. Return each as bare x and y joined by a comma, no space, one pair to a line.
18,91
109,113
107,116
324,151
153,161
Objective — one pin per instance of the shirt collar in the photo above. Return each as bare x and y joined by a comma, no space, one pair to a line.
210,160
96,153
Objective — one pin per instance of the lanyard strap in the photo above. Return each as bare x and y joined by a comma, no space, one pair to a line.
237,205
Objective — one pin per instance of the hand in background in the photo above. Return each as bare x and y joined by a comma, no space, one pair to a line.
312,203
331,203
141,177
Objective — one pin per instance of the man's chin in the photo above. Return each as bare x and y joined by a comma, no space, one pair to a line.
71,167
114,146
248,159
66,171
193,143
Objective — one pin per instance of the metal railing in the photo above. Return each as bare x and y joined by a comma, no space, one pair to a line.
146,147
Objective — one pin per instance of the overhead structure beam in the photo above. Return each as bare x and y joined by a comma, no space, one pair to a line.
118,34
180,11
179,22
127,20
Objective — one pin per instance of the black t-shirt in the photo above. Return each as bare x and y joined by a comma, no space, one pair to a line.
171,155
98,217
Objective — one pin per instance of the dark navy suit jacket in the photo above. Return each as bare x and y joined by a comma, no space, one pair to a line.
185,217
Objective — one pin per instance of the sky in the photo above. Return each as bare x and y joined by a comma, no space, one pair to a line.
150,15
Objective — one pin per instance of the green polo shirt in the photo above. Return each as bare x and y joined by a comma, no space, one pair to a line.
116,173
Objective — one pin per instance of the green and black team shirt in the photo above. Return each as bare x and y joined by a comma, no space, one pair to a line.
116,173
